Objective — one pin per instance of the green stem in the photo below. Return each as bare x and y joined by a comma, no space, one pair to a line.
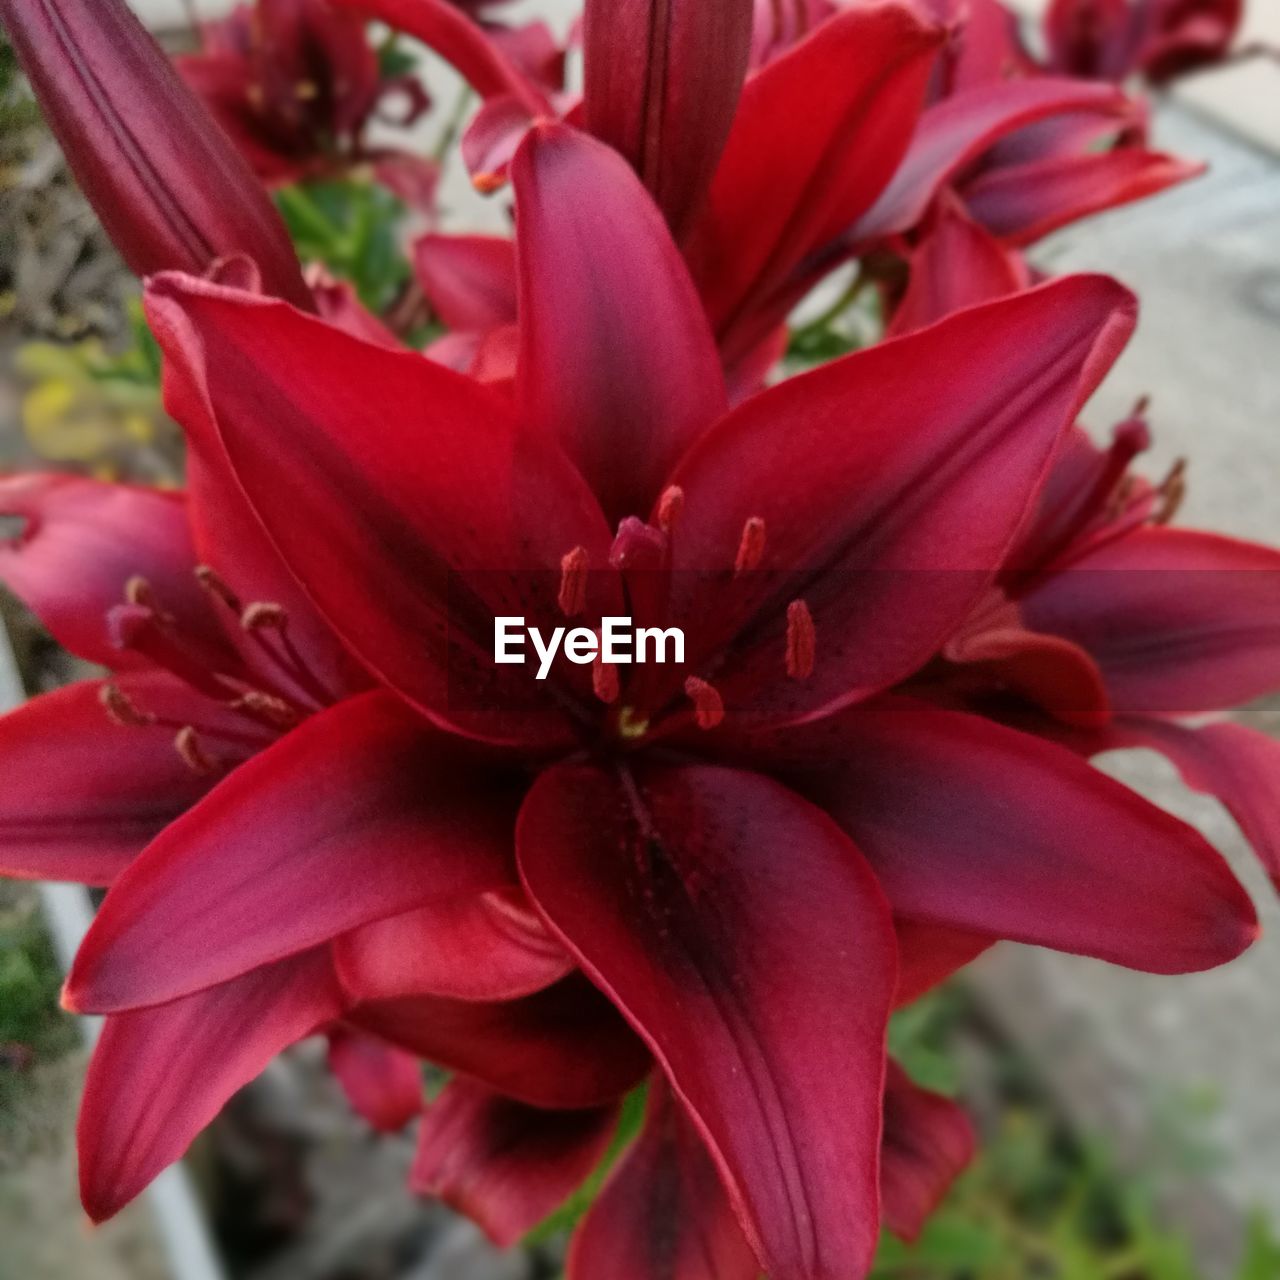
453,126
299,208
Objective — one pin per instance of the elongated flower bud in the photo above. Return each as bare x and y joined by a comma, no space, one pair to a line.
171,190
662,83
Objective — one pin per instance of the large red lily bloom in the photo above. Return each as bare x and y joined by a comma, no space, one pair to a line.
1116,626
295,83
129,760
752,854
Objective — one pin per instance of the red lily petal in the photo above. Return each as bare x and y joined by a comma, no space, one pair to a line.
505,1165
562,1048
169,186
1023,203
957,131
627,385
158,1076
536,50
1195,39
1000,652
413,179
1177,620
339,304
663,1214
460,41
361,812
931,953
662,82
970,824
928,1142
382,1083
82,543
818,133
986,44
489,142
941,414
958,264
470,281
483,947
413,496
83,795
761,983
1090,38
1233,762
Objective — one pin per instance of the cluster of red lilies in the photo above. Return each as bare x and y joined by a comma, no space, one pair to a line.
916,599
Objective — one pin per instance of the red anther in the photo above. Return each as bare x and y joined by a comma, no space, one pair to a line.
121,709
573,581
605,682
263,615
708,705
801,641
270,710
134,626
638,546
214,584
750,546
188,746
670,505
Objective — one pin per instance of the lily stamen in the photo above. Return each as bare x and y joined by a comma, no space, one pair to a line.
574,566
193,755
605,682
264,618
708,705
670,507
122,710
801,641
272,711
216,586
1172,491
751,546
138,628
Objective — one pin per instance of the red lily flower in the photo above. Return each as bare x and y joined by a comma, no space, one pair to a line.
821,154
295,83
170,189
204,679
651,811
1117,626
1158,39
754,203
998,166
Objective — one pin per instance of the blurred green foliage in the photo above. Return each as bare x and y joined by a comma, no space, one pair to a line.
18,110
1042,1202
353,227
32,1026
